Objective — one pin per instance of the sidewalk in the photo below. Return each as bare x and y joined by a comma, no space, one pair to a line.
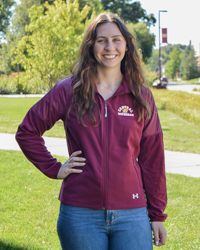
176,162
184,87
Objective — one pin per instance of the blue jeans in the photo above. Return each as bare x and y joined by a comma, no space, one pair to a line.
91,229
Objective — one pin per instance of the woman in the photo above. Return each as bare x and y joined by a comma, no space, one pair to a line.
116,171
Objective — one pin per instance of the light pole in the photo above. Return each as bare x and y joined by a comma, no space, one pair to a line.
160,45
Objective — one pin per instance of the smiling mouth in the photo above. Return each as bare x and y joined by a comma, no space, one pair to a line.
110,57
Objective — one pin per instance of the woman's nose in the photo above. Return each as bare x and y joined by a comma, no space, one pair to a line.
109,46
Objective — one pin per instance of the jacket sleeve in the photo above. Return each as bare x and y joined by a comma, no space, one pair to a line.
40,118
152,162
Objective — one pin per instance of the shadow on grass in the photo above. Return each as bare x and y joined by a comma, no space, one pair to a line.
166,129
10,246
160,108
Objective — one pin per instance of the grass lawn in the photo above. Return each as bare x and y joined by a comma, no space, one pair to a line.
13,111
29,207
179,134
192,81
185,105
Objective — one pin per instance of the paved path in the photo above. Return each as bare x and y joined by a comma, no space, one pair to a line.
184,87
176,162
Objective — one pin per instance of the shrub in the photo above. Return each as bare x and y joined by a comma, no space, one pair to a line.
8,84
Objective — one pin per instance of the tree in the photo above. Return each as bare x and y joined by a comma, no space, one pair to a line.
189,64
5,14
144,38
53,43
21,17
129,11
173,65
153,61
95,5
16,31
5,55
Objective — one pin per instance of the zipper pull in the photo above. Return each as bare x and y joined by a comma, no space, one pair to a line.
105,109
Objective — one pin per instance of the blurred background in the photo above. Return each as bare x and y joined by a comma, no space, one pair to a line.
39,39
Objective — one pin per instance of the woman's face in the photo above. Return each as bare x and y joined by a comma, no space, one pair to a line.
110,46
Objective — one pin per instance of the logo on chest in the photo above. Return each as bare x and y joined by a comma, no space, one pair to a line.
125,111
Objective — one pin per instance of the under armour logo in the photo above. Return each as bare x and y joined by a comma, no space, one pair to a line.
135,196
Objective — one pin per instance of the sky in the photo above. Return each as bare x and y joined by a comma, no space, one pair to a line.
182,20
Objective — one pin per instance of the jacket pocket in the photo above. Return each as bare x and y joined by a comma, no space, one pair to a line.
138,177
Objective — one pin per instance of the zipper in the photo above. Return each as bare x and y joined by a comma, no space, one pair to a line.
105,149
137,173
105,155
106,113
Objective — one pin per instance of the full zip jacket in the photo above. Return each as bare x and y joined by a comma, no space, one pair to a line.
124,157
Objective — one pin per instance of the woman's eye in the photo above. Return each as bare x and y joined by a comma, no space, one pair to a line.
101,40
116,40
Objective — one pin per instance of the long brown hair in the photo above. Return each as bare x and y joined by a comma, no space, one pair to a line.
85,71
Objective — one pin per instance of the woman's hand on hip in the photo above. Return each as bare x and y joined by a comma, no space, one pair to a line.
68,167
160,233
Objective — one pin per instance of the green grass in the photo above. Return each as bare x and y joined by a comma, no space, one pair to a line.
13,111
185,105
192,81
183,207
179,114
179,135
29,204
29,207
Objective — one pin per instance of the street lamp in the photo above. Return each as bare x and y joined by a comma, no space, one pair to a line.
160,45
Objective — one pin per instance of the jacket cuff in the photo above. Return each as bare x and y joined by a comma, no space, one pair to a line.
153,216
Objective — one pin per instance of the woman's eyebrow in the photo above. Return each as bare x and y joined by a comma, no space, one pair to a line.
106,37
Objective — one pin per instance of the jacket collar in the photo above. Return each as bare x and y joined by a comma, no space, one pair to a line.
124,87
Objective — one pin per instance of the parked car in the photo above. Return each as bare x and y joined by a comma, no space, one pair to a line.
162,84
164,79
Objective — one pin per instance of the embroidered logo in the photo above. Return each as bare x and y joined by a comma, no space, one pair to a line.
125,111
135,196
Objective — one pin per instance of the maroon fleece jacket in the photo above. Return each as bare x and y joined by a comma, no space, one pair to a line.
124,157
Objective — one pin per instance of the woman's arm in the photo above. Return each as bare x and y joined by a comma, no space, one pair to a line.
152,162
40,118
